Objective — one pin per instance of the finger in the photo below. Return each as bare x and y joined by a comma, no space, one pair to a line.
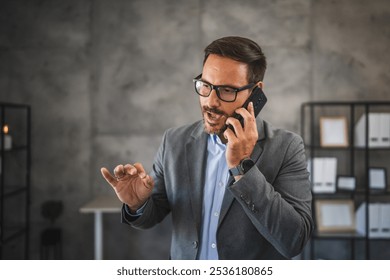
251,109
248,116
107,175
246,113
130,169
147,179
238,129
119,171
140,169
229,135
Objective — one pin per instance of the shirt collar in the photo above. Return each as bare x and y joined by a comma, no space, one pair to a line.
215,143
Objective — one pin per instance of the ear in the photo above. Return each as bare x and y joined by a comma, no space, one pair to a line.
260,85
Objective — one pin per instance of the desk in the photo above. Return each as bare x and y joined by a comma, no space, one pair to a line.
98,206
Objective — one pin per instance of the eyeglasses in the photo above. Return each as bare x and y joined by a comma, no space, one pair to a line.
225,93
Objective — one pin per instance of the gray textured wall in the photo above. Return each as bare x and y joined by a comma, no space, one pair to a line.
106,78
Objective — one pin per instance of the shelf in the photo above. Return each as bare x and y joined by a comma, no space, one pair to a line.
347,148
13,232
15,190
16,148
352,160
341,194
347,236
377,193
379,239
15,182
347,103
339,235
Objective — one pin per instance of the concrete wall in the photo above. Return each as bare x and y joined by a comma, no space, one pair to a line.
106,78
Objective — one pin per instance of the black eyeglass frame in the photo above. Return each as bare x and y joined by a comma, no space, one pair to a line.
216,88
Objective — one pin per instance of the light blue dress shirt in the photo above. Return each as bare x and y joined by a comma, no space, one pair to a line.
217,175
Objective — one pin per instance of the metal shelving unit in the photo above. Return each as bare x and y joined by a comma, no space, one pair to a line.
15,165
357,161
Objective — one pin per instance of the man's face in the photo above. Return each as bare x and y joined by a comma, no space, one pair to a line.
219,70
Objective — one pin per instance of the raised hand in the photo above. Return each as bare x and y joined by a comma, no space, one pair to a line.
131,184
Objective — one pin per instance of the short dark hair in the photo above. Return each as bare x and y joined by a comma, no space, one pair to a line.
243,50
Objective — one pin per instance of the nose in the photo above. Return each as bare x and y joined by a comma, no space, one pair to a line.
213,100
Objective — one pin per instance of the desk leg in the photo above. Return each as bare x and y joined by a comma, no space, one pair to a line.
98,235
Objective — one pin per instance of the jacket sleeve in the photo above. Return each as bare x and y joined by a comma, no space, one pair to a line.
157,206
281,209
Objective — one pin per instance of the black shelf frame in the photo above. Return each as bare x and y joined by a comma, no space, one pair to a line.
312,148
10,232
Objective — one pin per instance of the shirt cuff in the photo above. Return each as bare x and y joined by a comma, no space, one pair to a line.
137,213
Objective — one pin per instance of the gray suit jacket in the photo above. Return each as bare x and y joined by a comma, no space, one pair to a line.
265,215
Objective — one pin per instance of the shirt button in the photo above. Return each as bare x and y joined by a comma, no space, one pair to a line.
220,184
213,245
216,214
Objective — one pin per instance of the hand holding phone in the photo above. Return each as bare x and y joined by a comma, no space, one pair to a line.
258,98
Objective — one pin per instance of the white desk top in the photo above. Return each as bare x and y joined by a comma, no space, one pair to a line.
103,203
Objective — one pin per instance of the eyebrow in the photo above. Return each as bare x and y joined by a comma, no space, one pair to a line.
223,85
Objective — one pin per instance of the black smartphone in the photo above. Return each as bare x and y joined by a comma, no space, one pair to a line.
258,98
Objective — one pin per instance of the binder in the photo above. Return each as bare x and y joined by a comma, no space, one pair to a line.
378,130
315,173
384,131
379,220
385,220
374,216
330,174
360,218
324,174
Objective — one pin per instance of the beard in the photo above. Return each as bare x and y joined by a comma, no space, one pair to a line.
214,120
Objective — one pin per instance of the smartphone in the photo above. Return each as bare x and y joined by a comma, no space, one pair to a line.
258,98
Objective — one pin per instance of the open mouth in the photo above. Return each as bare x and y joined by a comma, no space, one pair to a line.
213,117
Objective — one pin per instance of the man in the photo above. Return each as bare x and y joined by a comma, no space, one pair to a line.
235,192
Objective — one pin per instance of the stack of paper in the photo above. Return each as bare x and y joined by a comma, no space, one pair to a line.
378,130
324,174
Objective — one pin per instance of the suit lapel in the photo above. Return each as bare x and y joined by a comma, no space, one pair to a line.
227,201
257,150
196,157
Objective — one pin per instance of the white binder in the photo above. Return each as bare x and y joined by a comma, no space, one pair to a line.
324,174
384,131
378,131
379,220
385,220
